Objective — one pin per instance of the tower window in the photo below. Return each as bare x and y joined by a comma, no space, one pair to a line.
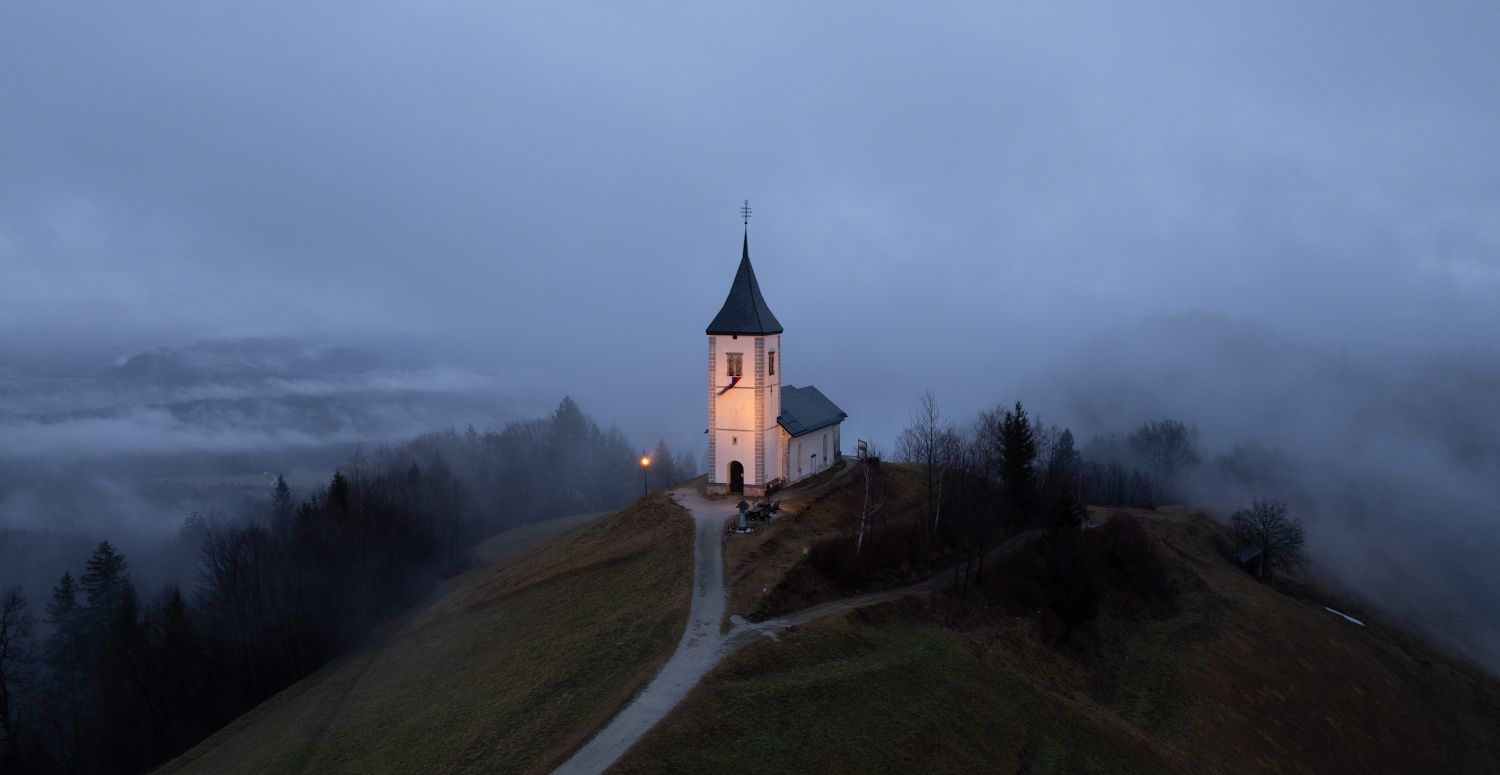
736,364
771,361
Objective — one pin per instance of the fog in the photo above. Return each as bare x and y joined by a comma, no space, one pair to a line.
1279,222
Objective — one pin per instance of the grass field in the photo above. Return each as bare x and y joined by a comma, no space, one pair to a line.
891,690
1239,678
509,671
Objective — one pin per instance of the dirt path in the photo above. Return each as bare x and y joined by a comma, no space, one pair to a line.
744,631
701,647
703,644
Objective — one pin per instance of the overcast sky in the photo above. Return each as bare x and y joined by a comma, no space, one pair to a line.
550,191
1277,220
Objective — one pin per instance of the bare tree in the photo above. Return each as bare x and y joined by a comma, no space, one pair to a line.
920,442
971,499
17,660
1265,525
1168,447
872,503
950,452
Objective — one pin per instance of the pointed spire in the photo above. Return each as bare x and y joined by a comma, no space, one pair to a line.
745,310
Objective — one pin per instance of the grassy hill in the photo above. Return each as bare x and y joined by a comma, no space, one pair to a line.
1235,677
523,659
508,671
772,571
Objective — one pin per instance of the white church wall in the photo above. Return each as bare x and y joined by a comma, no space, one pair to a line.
810,453
734,427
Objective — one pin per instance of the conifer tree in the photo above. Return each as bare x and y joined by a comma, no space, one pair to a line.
16,670
1064,466
664,464
338,493
67,657
281,501
105,578
1018,460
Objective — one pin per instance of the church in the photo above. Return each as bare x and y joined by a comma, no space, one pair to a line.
761,435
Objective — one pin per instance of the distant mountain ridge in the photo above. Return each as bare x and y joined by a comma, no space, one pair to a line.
264,384
247,358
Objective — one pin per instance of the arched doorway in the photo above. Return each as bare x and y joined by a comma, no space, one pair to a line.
736,476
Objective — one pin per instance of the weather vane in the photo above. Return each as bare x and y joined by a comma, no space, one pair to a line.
745,212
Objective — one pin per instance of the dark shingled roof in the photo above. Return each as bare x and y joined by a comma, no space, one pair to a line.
745,311
804,410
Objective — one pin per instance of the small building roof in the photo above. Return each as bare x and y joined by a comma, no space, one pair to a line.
745,311
806,409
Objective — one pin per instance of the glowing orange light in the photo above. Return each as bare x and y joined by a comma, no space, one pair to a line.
645,461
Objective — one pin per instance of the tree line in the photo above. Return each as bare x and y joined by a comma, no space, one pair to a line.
102,680
1005,475
550,466
1008,474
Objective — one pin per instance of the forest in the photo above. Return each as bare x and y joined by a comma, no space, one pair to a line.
104,677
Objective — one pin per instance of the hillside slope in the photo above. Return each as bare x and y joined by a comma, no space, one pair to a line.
770,572
1236,678
508,672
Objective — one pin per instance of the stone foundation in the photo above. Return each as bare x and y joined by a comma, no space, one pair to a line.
751,490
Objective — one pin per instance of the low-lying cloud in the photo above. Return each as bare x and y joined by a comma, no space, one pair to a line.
1392,462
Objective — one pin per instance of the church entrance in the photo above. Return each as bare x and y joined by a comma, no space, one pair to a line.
736,476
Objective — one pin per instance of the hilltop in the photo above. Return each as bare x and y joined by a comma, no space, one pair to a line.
1225,675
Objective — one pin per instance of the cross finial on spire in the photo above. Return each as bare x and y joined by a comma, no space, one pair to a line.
745,212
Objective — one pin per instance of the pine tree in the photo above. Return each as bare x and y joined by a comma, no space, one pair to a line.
338,493
1064,466
1018,460
65,645
571,428
104,580
177,661
67,656
281,503
16,670
1064,516
664,464
121,728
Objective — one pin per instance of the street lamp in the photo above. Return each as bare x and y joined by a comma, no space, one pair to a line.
645,464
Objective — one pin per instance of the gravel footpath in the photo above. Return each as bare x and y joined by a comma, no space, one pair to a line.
701,647
703,644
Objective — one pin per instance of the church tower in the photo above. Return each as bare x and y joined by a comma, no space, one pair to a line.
744,389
